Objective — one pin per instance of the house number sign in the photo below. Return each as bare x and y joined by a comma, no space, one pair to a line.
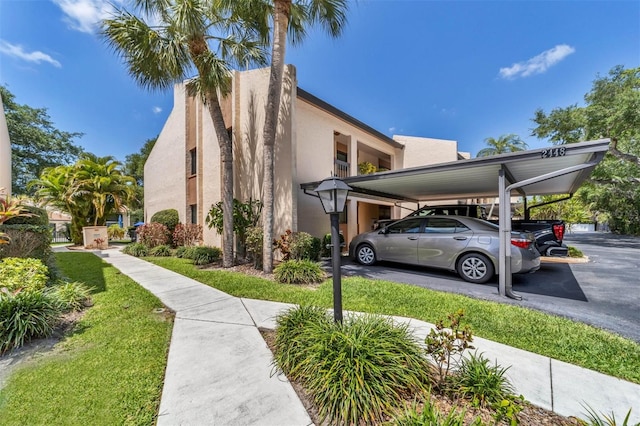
553,152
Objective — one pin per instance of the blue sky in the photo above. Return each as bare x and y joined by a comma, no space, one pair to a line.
461,70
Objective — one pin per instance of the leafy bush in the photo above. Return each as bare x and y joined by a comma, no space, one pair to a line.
254,245
358,371
27,241
601,419
575,252
299,272
170,219
482,383
115,232
25,315
136,249
445,345
160,251
326,244
187,234
153,234
284,244
203,255
71,296
182,252
23,273
296,245
245,215
30,215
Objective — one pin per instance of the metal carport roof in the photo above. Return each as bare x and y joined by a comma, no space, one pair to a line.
478,177
554,170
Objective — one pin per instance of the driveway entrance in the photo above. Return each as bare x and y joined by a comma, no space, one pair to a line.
605,292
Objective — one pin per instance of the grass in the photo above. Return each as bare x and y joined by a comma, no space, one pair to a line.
534,331
109,371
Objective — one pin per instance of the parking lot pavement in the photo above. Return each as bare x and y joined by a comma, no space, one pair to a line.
605,292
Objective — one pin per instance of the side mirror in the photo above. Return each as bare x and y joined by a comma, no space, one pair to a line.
383,231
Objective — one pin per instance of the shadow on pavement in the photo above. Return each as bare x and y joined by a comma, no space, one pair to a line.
552,279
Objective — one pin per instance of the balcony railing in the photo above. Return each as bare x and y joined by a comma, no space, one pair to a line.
341,169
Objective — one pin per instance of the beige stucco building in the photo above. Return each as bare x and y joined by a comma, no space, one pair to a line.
314,140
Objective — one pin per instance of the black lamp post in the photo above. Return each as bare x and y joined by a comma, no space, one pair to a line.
333,195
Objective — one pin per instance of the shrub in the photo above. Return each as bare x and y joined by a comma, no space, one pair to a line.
326,244
298,272
302,246
254,245
27,241
600,419
358,371
187,234
482,383
183,252
23,273
115,232
25,315
153,234
169,218
30,215
136,249
284,244
203,255
160,251
431,416
71,296
575,252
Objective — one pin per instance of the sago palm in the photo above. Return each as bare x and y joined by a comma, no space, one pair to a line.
293,17
170,41
504,144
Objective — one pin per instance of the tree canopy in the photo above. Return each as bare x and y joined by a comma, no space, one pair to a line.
504,144
611,110
35,142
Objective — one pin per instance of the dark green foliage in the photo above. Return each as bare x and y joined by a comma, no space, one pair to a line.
245,216
254,245
136,249
482,383
23,273
358,371
299,272
182,252
203,255
446,343
36,216
25,315
326,244
163,250
71,296
168,218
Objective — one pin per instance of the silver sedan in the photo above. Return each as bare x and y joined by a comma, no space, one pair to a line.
466,245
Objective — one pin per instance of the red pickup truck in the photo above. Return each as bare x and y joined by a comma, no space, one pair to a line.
548,233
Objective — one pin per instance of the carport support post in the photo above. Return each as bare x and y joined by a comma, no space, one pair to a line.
504,262
336,261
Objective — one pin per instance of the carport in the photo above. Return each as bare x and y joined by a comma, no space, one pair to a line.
545,171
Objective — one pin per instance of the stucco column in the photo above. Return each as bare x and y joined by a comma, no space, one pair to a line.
5,154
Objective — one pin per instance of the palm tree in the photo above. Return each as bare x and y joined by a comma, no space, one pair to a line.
505,143
188,35
291,17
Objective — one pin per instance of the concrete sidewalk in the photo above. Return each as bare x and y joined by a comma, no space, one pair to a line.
219,368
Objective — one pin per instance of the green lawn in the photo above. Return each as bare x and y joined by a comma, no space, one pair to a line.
527,329
109,371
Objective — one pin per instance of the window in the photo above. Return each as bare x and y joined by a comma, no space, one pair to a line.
384,212
409,226
444,226
193,212
342,156
193,160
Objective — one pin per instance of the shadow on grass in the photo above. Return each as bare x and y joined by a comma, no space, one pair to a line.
84,267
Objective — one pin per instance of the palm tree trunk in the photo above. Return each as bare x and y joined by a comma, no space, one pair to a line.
280,23
226,166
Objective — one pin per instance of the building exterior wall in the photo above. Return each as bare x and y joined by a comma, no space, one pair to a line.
164,170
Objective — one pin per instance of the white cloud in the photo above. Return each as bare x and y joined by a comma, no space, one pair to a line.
18,51
392,129
539,63
157,110
85,15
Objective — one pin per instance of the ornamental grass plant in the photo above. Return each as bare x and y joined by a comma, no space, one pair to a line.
299,272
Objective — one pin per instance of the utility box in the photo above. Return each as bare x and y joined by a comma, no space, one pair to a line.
95,237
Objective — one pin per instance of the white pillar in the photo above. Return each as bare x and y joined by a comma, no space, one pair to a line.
5,155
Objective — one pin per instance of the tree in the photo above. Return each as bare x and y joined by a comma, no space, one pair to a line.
188,35
134,167
291,17
502,145
90,190
35,142
612,110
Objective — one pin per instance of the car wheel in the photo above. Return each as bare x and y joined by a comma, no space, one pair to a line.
475,268
366,255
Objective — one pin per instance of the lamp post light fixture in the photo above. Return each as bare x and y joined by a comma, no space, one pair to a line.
333,195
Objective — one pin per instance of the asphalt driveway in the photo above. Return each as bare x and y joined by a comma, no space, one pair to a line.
605,292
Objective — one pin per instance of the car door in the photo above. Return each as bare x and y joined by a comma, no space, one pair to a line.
399,241
441,241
